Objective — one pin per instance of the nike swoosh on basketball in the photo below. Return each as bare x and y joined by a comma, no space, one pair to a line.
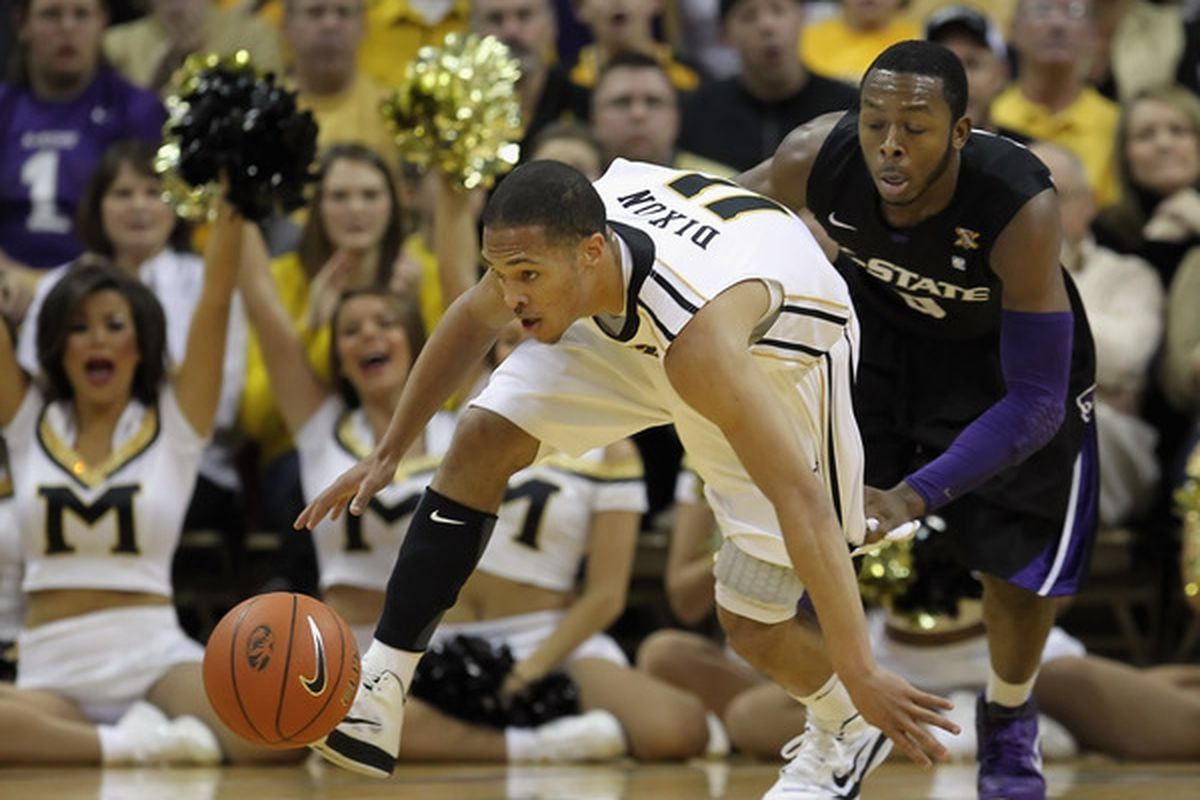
436,516
837,223
316,684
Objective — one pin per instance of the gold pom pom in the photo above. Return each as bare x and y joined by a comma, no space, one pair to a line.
457,109
887,572
193,203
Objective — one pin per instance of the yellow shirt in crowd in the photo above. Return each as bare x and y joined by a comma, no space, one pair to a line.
353,116
396,31
588,68
1087,127
833,49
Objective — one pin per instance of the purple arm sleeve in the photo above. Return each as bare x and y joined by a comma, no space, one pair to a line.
1035,355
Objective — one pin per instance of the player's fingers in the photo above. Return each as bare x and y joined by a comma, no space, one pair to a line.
928,717
910,749
928,700
928,744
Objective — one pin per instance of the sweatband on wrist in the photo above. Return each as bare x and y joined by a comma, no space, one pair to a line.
1035,358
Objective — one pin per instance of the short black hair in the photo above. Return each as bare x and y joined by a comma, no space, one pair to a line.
930,59
83,279
550,194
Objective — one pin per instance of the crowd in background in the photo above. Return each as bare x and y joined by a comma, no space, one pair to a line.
1104,91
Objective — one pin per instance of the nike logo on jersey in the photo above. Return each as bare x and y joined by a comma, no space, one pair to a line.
436,516
837,223
316,684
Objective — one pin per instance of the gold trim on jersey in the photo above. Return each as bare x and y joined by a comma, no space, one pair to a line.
348,440
71,462
821,301
625,469
703,297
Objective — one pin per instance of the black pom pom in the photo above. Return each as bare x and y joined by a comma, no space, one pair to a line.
463,676
940,578
249,128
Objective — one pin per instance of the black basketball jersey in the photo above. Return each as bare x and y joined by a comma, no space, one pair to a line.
933,278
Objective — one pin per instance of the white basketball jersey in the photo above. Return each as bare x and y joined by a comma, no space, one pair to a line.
705,234
542,534
113,525
360,551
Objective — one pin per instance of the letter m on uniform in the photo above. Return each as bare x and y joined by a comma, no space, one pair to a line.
60,500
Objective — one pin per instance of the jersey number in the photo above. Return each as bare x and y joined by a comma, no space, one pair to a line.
727,208
40,174
926,305
118,500
538,493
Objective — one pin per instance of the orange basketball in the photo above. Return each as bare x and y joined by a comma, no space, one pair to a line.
281,669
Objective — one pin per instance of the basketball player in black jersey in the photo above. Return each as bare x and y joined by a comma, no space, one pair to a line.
974,390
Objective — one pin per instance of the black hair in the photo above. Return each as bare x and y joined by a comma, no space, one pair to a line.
932,60
410,321
64,301
550,194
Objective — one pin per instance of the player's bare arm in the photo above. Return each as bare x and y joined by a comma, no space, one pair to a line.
1026,257
710,366
784,176
459,342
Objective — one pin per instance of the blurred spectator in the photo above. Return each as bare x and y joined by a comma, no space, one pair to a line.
844,45
919,11
398,29
1050,99
635,115
60,110
1139,45
1123,297
571,143
772,95
323,37
626,26
1158,214
149,50
977,42
528,28
122,217
700,37
1181,351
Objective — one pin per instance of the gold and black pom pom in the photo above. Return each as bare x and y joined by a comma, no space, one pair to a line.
224,117
457,109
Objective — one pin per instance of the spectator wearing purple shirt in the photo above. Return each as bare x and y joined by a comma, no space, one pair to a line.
59,111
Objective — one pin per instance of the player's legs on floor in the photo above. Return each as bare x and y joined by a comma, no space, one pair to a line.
39,727
180,695
1120,710
762,720
699,665
1018,622
448,534
661,722
838,748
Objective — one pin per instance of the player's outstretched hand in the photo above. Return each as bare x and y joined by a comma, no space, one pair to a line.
892,508
356,485
903,712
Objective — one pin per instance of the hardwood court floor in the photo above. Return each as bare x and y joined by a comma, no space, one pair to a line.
736,780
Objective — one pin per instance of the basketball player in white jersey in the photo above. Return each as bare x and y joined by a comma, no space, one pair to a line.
554,515
658,296
105,451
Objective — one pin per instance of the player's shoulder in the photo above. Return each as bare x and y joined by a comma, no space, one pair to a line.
998,155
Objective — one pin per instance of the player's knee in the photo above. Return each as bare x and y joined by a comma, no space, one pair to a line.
487,443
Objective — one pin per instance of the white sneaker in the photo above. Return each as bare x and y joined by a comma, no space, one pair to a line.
154,739
594,736
367,741
830,764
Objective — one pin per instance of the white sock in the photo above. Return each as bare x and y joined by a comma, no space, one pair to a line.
1003,693
115,747
520,744
718,739
401,662
831,704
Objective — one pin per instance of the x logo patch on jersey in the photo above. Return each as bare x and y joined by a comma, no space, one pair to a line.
966,238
